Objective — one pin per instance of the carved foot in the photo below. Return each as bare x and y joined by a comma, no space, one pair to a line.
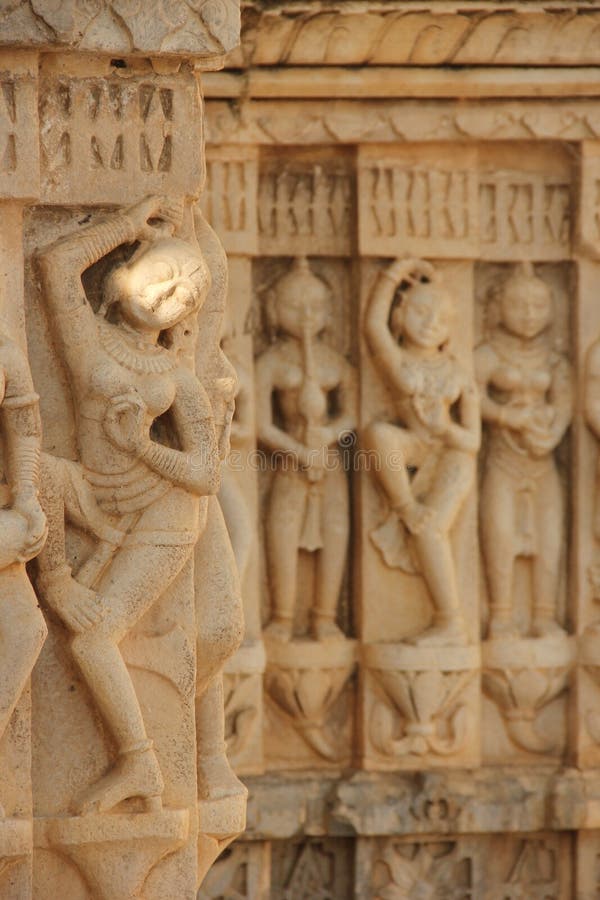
135,774
442,634
546,626
217,780
501,629
279,629
325,629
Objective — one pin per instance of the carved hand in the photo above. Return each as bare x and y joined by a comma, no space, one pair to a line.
539,441
37,527
155,207
78,607
125,422
432,413
410,270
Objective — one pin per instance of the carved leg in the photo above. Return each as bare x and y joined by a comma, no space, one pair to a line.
238,520
216,779
284,526
387,442
546,563
133,582
451,485
331,559
437,564
220,624
497,528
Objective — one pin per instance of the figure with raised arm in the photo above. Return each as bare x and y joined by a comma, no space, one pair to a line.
306,401
143,498
433,439
526,404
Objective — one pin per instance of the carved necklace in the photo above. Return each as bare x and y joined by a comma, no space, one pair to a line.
135,354
515,350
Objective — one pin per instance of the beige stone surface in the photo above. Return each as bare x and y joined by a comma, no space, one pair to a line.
374,431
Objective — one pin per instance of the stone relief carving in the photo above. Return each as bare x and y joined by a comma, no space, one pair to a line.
312,869
434,449
124,26
309,504
526,404
375,35
141,498
126,127
307,205
278,122
306,406
428,870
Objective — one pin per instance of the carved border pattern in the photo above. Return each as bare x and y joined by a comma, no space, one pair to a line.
405,37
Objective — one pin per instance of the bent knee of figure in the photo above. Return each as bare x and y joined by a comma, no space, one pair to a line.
33,629
220,633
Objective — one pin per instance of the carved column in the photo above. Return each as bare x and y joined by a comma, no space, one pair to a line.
230,205
586,573
420,689
100,107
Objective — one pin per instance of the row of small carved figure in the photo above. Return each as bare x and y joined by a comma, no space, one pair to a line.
425,452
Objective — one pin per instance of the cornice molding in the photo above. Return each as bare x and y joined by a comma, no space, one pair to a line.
423,34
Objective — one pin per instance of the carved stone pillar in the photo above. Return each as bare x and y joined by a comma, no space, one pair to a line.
114,779
229,203
420,680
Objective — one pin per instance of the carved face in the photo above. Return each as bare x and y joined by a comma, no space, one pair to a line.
303,307
526,307
162,286
423,317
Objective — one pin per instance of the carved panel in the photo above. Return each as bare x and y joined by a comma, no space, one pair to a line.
19,154
464,868
285,122
113,139
242,872
243,690
306,204
420,707
459,202
423,200
229,201
313,869
118,26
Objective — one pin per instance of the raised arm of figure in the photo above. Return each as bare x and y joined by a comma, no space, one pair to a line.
63,263
386,352
268,433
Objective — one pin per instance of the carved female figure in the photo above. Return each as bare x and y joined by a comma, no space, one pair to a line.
434,440
22,527
313,388
141,499
526,403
